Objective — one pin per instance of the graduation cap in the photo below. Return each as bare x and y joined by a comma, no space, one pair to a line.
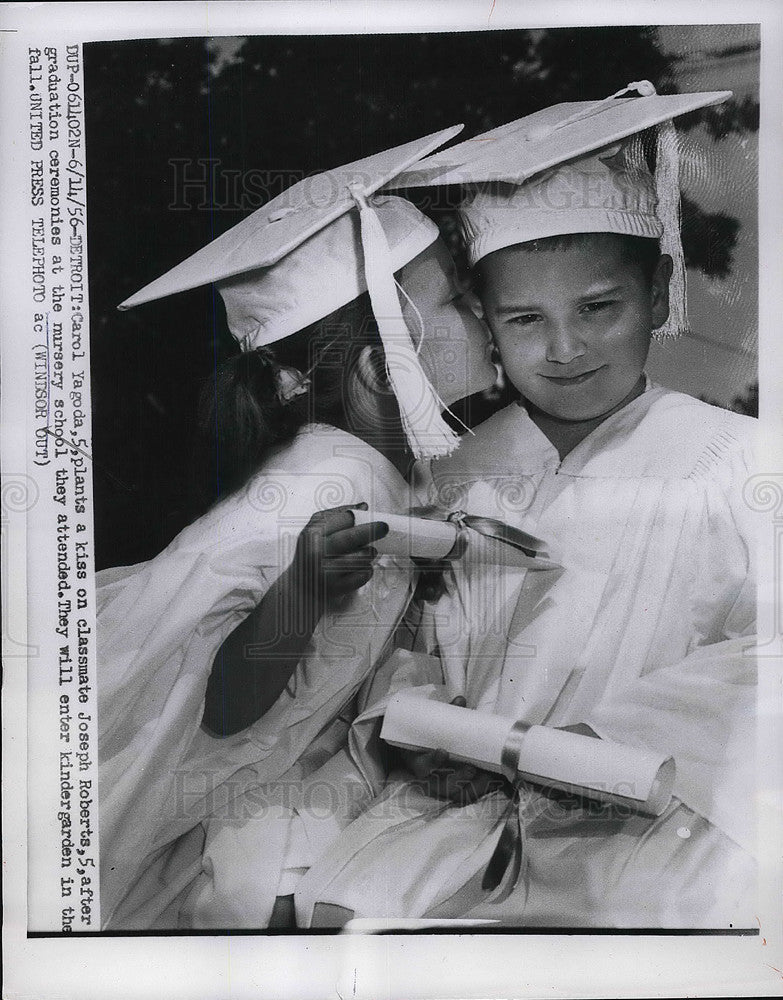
316,247
573,168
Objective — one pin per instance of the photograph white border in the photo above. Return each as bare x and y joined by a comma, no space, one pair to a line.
357,966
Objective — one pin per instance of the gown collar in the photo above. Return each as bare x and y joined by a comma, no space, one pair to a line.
510,443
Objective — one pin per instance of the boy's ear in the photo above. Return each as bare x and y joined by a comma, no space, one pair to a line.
659,290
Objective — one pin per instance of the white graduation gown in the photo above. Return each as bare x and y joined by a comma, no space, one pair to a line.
645,635
160,624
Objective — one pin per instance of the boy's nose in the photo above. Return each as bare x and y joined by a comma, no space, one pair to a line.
564,344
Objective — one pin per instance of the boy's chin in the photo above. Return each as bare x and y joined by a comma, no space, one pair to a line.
572,414
567,406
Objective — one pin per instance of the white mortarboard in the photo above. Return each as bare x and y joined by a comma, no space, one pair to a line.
306,253
320,275
573,168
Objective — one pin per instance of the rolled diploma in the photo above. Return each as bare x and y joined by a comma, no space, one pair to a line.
582,765
411,536
423,538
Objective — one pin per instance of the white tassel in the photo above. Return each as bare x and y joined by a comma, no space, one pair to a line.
428,434
667,190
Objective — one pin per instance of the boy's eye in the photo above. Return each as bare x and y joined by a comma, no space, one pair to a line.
523,319
594,307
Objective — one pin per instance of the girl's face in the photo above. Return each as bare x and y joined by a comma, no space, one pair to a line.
456,347
573,324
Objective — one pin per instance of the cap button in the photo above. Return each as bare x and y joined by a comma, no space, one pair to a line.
358,193
643,88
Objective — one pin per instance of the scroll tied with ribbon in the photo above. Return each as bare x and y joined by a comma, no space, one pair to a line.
432,534
416,719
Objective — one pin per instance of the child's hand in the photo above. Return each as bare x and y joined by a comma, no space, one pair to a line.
333,556
443,778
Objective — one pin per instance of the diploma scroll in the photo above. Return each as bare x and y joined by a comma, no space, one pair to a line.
432,539
412,536
581,765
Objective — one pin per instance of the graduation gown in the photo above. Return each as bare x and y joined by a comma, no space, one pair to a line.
160,625
645,634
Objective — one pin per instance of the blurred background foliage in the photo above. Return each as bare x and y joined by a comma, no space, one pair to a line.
240,119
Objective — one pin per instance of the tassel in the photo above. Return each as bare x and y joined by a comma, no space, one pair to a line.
428,434
667,190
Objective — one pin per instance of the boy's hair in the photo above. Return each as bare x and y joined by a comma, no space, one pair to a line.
640,250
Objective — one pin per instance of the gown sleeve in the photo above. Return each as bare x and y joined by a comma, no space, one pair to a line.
702,708
160,625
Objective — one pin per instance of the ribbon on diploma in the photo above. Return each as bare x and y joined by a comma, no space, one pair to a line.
568,760
489,527
508,858
431,534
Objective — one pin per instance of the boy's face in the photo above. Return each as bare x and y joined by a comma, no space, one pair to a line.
573,324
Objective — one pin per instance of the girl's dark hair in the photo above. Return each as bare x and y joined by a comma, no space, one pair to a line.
241,415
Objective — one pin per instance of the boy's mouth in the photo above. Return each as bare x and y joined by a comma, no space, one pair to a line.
573,379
